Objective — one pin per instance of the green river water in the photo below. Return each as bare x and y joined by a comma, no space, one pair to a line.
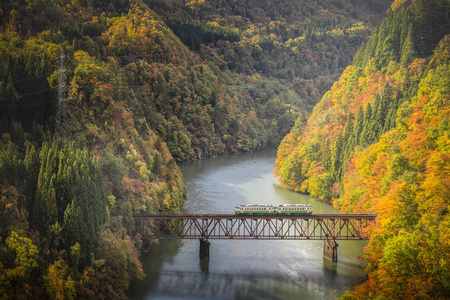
245,269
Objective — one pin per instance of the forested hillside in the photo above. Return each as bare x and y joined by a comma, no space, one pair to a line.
90,139
377,142
304,45
244,74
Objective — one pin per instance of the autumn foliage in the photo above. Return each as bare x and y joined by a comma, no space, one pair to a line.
378,142
404,178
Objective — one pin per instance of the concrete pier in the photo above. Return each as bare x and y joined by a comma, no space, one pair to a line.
330,250
204,248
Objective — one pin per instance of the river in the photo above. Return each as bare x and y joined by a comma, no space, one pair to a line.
245,269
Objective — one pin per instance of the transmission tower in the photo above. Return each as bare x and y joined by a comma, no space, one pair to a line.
61,117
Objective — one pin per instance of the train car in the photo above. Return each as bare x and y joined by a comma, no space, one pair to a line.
251,209
246,209
293,209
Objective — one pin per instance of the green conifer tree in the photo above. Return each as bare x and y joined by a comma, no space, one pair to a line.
336,159
408,53
347,138
359,126
326,156
365,134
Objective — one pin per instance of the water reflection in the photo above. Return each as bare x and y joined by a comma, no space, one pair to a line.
193,285
204,266
245,269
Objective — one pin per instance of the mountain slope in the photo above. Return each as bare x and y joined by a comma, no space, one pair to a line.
303,43
378,142
404,179
363,103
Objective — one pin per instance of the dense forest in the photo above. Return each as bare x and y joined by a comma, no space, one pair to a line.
91,137
378,142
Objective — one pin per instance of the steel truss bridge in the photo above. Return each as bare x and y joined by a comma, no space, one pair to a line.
326,227
268,227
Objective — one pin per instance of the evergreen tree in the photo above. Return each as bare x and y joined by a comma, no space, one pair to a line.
326,156
374,126
408,53
391,117
365,134
69,199
336,166
347,140
383,105
157,164
10,165
31,164
359,126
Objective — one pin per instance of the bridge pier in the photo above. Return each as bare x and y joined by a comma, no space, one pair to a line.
330,250
204,248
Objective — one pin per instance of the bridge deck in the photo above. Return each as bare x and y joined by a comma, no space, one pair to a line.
254,216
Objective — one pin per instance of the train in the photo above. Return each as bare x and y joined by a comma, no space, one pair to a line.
271,209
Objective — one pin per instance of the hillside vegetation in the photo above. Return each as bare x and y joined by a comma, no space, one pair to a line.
304,45
147,85
377,142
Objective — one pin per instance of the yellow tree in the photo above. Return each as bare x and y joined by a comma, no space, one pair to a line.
59,284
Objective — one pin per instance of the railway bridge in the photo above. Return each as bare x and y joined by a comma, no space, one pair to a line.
205,227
